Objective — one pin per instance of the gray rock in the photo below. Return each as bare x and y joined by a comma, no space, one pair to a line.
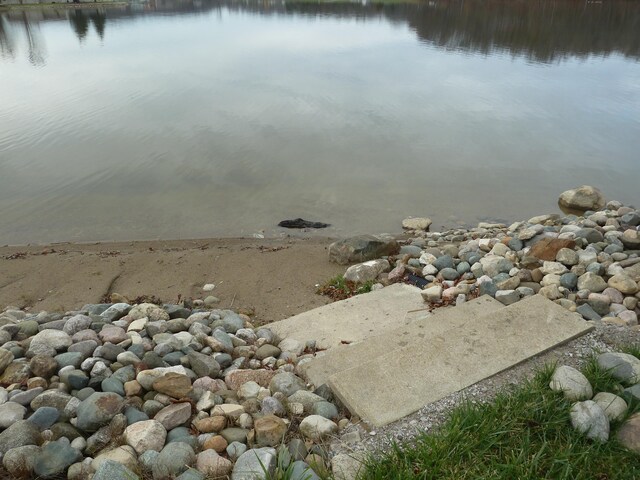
113,385
115,312
302,471
235,450
48,340
76,324
173,460
582,199
69,359
253,464
203,365
6,357
589,418
325,409
587,312
191,474
507,297
572,383
148,459
592,282
286,383
631,239
362,248
10,413
44,417
54,459
449,273
612,405
111,470
492,265
25,397
569,280
19,434
297,449
19,461
622,366
98,410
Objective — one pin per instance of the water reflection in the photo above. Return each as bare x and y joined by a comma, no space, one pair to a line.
542,31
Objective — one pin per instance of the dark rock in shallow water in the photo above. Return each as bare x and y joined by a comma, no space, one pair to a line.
300,223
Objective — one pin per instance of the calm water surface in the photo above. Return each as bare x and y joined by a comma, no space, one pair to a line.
194,119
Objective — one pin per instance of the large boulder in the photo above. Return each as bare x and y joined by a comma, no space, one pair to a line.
582,199
362,248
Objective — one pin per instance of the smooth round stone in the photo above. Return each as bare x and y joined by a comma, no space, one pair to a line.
70,358
113,385
84,393
54,458
613,406
235,449
174,459
449,273
595,268
178,434
45,417
589,418
10,413
134,415
569,280
235,435
325,409
572,383
444,261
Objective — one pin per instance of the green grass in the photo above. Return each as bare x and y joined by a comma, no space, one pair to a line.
522,434
338,288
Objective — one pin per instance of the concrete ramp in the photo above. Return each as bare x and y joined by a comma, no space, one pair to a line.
425,326
396,383
355,319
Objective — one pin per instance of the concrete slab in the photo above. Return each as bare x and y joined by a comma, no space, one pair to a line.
396,384
425,326
354,319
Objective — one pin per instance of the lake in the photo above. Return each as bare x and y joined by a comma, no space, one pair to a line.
193,119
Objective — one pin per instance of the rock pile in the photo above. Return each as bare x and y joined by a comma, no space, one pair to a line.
589,264
124,391
593,415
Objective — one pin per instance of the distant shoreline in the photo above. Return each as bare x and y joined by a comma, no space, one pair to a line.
74,6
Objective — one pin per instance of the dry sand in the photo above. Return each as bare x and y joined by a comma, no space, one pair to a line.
275,278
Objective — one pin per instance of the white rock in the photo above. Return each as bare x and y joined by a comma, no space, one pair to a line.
589,418
315,427
208,287
137,325
145,435
417,223
432,294
367,271
573,383
555,268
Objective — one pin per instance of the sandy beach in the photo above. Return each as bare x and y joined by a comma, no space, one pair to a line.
274,278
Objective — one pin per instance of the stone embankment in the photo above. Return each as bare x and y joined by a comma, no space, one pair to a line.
116,391
588,263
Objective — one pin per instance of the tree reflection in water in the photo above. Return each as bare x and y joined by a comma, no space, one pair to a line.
540,30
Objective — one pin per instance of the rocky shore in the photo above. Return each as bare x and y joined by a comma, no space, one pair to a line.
186,391
588,263
115,391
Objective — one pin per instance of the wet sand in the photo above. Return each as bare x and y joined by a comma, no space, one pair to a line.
275,278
